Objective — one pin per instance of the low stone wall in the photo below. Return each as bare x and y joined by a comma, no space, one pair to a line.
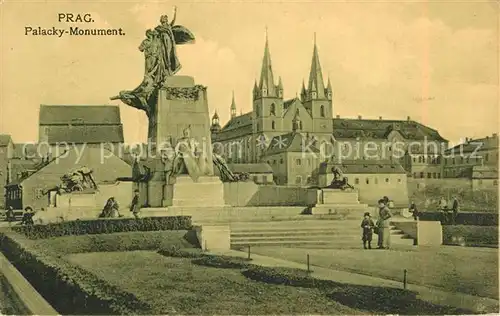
214,237
32,303
251,194
426,233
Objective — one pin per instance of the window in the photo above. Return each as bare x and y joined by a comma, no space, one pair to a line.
461,159
419,158
429,175
281,161
38,193
298,162
495,182
421,174
322,111
367,181
256,179
414,159
356,181
414,175
273,125
298,180
273,109
399,180
486,157
300,124
467,160
387,180
264,179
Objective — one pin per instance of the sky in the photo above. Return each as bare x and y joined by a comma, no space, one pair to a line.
435,61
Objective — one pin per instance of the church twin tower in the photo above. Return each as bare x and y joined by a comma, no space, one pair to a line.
311,113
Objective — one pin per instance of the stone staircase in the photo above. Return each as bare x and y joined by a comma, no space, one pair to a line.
316,232
398,237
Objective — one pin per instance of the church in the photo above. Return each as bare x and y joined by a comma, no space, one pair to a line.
308,121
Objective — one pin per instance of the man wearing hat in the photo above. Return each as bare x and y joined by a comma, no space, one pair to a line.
367,225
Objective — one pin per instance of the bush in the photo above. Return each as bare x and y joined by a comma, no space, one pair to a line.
106,226
470,235
281,276
68,288
177,252
223,262
129,241
470,218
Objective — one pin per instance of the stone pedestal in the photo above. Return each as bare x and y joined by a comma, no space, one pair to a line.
336,201
181,104
206,192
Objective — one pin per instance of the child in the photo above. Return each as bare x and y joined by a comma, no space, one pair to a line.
367,225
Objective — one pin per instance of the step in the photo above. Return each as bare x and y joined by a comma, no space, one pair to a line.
293,234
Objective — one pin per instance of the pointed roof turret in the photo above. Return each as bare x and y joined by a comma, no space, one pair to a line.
215,116
266,75
280,84
233,107
329,85
316,76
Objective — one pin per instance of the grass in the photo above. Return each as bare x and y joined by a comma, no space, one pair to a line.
175,285
458,269
10,304
116,242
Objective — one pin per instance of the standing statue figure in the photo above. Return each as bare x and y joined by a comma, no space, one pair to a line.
161,61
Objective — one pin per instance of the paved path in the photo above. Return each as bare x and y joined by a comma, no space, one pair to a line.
433,295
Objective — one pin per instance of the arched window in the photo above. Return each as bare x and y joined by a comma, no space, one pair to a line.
419,158
322,111
387,180
281,161
272,110
367,181
300,124
273,125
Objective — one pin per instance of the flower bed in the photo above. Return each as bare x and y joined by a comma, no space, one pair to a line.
69,289
463,235
223,262
105,226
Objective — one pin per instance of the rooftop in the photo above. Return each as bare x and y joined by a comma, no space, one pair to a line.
363,166
79,115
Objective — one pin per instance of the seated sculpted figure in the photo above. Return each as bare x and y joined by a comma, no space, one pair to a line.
339,181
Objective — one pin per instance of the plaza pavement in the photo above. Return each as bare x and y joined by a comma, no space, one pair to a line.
429,294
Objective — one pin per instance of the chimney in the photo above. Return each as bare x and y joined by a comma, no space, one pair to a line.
359,117
495,135
380,118
408,118
338,116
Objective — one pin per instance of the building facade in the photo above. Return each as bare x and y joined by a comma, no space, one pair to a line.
247,138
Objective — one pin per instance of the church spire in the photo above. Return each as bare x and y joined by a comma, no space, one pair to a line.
316,84
266,84
233,107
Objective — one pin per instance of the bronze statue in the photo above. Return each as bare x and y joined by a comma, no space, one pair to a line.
161,61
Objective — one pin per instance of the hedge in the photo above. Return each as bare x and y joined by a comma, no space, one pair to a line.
470,235
68,288
177,252
128,241
472,218
223,262
105,226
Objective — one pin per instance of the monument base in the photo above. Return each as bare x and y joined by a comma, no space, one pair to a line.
336,201
207,191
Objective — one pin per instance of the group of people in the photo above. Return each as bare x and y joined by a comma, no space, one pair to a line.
381,227
27,218
448,215
112,208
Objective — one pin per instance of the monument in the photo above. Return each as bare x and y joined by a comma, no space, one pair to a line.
180,163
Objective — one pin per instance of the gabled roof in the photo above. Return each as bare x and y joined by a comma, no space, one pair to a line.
238,122
380,129
250,168
5,140
363,166
79,114
291,142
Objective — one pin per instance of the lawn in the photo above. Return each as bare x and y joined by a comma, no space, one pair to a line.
175,285
459,269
